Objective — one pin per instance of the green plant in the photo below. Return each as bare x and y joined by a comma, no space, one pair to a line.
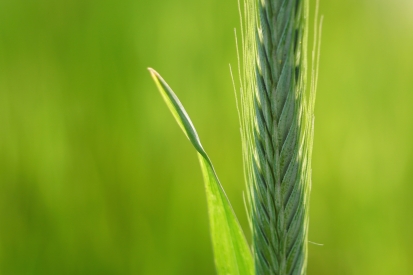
277,128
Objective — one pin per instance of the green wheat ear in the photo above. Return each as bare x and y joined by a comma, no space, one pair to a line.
277,131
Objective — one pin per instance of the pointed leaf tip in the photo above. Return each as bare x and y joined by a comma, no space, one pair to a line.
231,250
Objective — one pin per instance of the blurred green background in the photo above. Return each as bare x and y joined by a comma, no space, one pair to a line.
96,177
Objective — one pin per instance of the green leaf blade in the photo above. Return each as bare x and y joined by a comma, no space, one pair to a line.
231,250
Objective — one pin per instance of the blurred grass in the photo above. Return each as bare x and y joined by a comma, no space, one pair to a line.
95,177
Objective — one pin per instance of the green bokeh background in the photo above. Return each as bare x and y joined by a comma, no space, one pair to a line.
97,178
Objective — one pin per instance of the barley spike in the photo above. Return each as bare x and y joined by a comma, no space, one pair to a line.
281,126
